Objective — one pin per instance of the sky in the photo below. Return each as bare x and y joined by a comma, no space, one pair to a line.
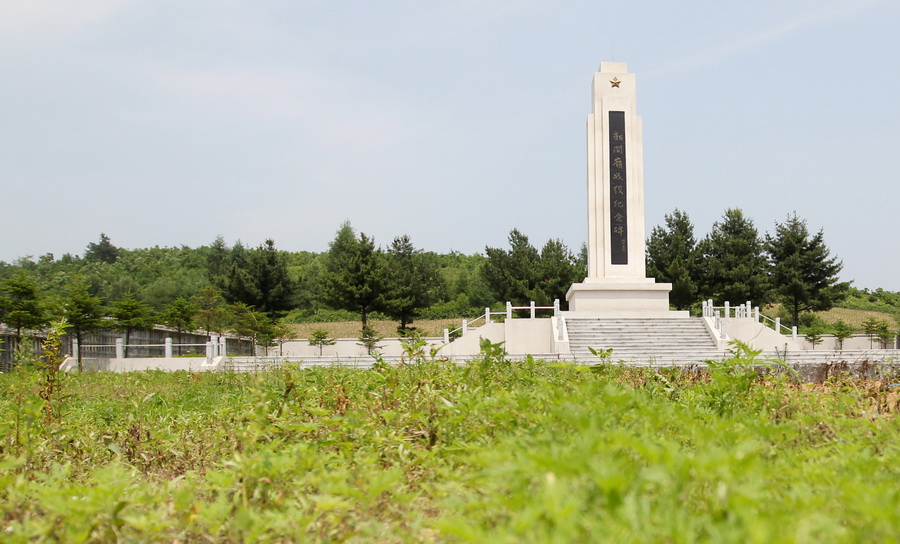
171,123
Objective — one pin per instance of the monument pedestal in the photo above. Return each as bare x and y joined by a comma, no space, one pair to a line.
633,297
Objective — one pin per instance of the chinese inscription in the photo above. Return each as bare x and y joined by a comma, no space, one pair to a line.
618,209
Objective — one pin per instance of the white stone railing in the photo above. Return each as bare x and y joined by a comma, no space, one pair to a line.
467,324
213,349
746,310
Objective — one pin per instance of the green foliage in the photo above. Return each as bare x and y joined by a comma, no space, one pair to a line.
884,334
102,252
212,314
248,323
841,331
881,330
130,315
413,281
814,336
878,300
673,257
435,452
356,276
521,274
20,304
804,276
82,311
733,265
369,339
259,278
320,339
320,316
180,314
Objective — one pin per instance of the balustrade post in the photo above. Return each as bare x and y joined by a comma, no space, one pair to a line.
555,307
727,309
446,336
465,326
778,325
757,314
508,310
559,328
75,348
168,353
532,309
794,332
120,348
210,351
487,316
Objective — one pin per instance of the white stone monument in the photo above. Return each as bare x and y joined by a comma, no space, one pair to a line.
617,284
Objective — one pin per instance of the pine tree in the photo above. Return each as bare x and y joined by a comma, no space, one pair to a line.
103,251
179,314
272,279
211,310
258,278
673,257
511,273
733,266
522,274
413,281
82,311
130,315
805,277
20,305
354,274
557,270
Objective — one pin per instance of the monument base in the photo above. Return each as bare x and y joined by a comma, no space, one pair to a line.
621,298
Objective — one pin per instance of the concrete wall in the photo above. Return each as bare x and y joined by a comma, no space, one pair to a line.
190,364
759,336
520,337
346,347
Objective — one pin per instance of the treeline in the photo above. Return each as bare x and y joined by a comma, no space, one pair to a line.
735,263
255,291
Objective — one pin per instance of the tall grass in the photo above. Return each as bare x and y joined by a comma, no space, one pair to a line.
492,451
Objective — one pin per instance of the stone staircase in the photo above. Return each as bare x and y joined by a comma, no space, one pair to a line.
656,341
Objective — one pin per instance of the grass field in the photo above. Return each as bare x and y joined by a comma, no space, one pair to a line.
434,452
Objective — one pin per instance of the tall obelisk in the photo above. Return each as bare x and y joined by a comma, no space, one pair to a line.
617,283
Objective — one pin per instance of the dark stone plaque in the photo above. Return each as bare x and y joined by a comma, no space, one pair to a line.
618,189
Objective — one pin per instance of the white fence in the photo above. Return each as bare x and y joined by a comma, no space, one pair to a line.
508,314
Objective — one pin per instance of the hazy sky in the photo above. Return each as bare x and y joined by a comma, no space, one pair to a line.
171,122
